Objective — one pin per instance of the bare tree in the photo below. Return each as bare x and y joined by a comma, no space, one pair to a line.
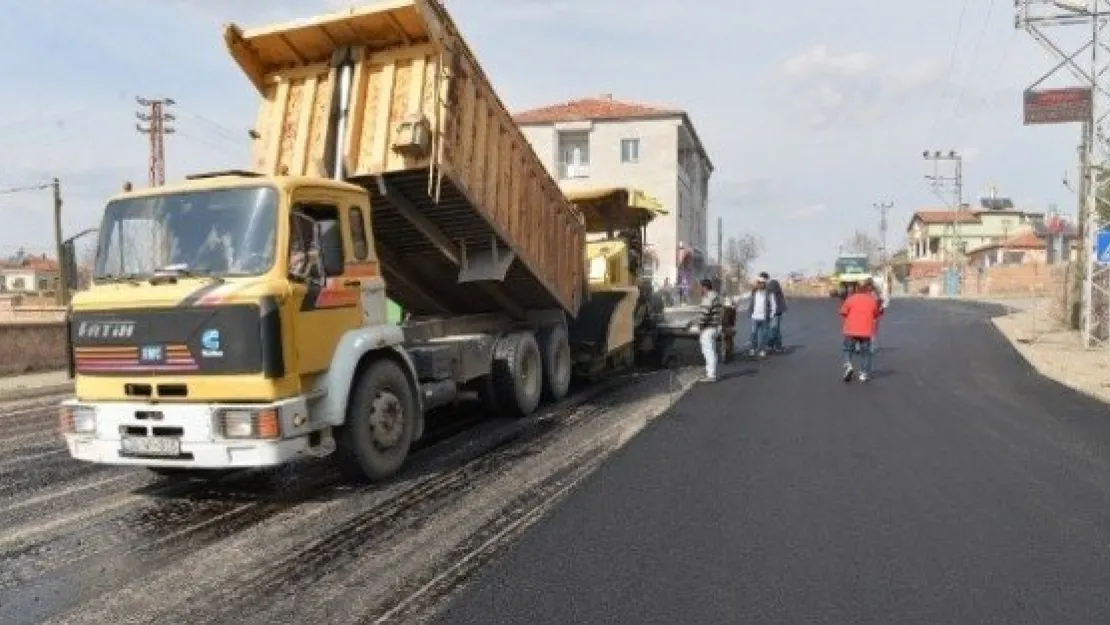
740,253
864,243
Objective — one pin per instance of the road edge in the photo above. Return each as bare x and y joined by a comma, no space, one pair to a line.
35,392
1029,355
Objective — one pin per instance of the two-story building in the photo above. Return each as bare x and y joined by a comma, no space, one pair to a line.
599,142
937,238
28,274
934,235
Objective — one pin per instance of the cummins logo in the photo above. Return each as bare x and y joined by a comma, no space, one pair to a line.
106,329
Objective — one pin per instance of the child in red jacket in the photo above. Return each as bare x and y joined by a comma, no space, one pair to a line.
861,312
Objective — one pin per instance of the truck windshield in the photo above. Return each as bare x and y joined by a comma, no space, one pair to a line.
223,232
852,265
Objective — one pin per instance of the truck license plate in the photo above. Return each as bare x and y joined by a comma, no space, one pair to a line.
151,446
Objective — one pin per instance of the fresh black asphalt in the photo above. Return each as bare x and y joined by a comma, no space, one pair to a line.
956,487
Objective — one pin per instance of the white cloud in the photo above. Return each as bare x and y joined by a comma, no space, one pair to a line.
807,211
830,88
819,60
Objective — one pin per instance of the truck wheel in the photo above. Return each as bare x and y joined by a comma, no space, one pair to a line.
381,415
555,349
518,374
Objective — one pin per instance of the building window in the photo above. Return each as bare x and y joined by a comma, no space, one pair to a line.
574,155
19,284
44,285
630,150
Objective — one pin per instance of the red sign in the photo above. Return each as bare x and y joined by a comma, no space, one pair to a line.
1058,106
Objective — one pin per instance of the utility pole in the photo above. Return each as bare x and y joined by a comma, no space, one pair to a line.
720,249
155,115
883,208
1086,104
61,294
954,184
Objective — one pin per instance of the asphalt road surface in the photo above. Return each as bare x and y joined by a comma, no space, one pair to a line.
956,487
83,543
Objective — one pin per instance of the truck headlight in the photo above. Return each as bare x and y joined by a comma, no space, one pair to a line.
249,423
77,420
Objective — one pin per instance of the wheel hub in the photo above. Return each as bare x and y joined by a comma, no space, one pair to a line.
387,421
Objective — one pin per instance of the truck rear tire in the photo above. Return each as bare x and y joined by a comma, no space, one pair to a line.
381,416
517,374
555,349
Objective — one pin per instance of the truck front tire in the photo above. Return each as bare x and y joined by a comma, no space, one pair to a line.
381,417
517,374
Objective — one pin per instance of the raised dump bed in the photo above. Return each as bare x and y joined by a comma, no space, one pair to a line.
466,218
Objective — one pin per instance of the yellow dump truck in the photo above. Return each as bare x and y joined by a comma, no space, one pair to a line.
239,319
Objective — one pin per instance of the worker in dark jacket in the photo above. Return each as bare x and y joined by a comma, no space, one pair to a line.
774,326
709,327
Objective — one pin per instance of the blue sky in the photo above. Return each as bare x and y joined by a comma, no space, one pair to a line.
811,113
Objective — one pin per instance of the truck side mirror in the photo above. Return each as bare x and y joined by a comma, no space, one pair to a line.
331,248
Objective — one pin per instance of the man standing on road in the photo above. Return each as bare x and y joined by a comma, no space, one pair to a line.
709,327
774,326
761,310
861,312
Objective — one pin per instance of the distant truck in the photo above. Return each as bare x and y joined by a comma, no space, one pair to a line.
849,271
241,319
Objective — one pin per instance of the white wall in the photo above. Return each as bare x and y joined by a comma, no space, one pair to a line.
30,279
656,173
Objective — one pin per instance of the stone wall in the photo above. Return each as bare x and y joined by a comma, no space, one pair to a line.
1017,280
26,347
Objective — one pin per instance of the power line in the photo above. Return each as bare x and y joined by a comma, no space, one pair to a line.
37,187
974,55
952,58
154,113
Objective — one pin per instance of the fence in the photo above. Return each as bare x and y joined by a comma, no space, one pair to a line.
30,346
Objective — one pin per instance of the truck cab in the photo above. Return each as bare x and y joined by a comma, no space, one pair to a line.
849,271
230,319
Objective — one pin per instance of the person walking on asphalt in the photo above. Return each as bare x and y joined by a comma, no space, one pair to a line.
761,310
709,327
774,326
861,312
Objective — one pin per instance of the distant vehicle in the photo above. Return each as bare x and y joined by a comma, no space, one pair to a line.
849,271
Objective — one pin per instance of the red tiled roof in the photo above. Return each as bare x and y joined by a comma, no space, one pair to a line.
1024,240
601,108
945,217
1027,239
33,263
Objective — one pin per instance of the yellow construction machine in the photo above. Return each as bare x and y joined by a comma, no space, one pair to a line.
614,323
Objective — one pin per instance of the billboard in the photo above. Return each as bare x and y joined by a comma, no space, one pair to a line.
1057,106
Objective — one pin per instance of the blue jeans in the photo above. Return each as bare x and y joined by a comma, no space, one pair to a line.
850,344
774,336
760,329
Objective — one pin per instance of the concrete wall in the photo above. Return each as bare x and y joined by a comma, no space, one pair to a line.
26,347
1024,279
1028,279
656,173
